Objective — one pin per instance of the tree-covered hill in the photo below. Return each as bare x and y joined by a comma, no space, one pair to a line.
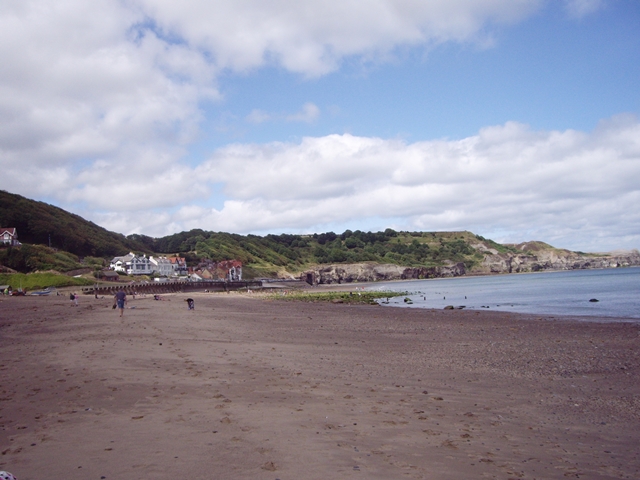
44,224
276,254
283,255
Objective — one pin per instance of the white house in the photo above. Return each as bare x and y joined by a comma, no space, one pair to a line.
132,264
120,264
141,266
162,266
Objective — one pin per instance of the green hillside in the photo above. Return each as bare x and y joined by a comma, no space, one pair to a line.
77,243
275,254
44,224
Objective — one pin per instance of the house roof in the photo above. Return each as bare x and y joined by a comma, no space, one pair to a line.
10,230
159,260
124,258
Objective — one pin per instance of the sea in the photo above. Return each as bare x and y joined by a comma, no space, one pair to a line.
565,293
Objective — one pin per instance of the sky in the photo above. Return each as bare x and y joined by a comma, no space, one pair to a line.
514,119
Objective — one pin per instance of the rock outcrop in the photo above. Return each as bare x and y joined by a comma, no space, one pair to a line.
552,259
371,272
535,257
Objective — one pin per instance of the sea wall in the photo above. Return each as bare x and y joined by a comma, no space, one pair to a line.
171,287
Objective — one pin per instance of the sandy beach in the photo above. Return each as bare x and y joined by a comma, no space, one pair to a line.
248,388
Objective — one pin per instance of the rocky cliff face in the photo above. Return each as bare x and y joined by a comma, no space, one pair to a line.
552,260
365,272
533,259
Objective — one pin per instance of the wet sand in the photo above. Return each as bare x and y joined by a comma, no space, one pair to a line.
248,388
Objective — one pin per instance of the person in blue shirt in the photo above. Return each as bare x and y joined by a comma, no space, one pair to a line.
120,299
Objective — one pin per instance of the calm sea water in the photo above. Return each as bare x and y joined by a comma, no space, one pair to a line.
550,293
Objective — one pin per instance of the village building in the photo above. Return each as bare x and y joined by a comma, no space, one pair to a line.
230,270
108,275
120,264
235,271
162,266
131,264
9,236
179,265
206,274
141,266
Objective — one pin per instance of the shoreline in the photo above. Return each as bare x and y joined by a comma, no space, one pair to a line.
479,274
245,387
607,294
559,316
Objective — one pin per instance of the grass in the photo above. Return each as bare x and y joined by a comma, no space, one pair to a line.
38,281
335,297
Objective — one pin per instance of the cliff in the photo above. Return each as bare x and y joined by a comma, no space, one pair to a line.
371,272
535,257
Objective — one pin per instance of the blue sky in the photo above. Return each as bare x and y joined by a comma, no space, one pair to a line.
549,71
514,119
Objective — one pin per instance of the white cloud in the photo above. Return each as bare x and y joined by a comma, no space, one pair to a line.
312,37
102,81
100,101
81,81
572,189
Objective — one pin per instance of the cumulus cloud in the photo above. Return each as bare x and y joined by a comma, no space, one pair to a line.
573,189
312,37
86,90
100,101
89,84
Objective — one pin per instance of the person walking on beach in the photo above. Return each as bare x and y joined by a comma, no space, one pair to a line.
120,299
190,303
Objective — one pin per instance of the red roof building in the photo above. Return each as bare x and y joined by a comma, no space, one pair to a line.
9,236
224,270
